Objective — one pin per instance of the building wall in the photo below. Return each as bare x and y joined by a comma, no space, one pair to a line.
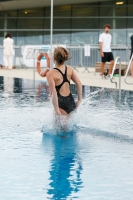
73,24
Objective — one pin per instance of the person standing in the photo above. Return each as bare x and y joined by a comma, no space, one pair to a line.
105,50
8,51
59,82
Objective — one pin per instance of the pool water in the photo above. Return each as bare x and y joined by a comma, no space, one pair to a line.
92,161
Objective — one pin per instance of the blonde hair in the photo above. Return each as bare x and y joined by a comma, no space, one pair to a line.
61,55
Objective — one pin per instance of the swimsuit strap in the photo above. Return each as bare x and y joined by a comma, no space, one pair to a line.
64,79
66,71
64,75
59,71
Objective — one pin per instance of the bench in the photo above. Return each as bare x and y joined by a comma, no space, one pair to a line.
106,68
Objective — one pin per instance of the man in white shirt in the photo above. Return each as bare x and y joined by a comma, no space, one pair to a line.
105,50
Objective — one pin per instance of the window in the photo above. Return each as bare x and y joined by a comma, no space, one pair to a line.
84,23
37,12
29,37
85,10
64,11
30,23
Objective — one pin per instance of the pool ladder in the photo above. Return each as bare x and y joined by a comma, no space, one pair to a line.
114,67
126,74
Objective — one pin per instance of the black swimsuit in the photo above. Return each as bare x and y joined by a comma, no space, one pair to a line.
67,103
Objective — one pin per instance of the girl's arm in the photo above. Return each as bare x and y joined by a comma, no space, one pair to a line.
78,84
51,83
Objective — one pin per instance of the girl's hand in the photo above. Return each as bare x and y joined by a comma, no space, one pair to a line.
77,104
58,112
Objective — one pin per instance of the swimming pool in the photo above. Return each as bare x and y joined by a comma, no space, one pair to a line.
94,160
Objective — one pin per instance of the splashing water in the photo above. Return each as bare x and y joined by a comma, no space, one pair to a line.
91,160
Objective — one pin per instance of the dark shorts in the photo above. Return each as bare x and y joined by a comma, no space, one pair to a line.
108,56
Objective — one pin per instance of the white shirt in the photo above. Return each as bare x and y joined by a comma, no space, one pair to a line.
8,46
105,38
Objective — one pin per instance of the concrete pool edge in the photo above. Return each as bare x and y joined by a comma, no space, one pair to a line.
89,79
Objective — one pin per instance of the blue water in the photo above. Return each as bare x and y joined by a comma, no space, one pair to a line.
92,161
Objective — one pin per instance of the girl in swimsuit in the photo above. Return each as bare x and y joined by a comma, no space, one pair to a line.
59,82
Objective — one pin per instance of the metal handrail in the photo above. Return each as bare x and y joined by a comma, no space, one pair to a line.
111,78
125,77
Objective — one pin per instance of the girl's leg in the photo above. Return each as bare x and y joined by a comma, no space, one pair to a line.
132,69
61,122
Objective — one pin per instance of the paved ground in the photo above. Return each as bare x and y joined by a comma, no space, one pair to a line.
91,79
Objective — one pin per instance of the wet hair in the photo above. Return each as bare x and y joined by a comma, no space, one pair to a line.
107,25
61,55
8,35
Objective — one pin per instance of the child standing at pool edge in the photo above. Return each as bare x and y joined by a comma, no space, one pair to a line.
59,82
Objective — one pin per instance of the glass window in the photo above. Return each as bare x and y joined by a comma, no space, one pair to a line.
106,10
118,36
62,23
29,37
36,12
64,11
115,23
84,23
130,11
47,37
61,37
109,8
2,23
120,10
32,23
86,37
107,3
1,37
2,14
130,2
120,23
12,13
47,23
130,23
104,21
85,10
11,23
89,16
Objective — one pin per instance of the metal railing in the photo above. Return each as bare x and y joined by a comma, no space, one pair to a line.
114,67
78,57
126,74
77,53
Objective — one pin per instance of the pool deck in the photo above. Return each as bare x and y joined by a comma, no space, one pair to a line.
87,78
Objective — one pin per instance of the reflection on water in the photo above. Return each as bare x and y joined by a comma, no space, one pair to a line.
17,85
66,167
93,161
